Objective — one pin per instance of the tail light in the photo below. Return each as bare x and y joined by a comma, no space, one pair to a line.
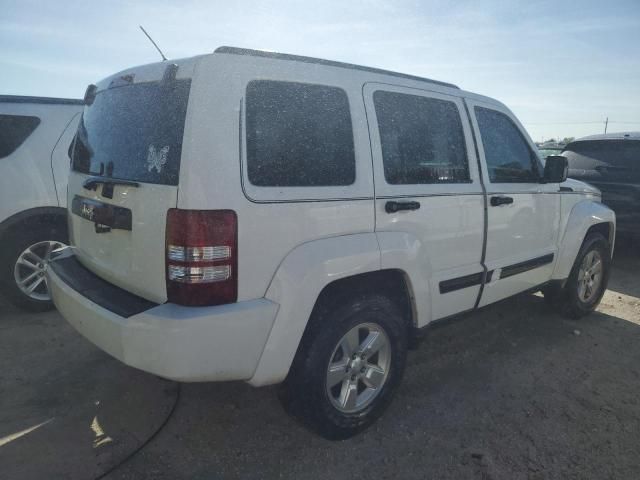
202,257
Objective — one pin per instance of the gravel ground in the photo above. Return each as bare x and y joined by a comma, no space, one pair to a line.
511,392
89,410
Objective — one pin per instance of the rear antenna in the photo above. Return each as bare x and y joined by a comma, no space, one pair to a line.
164,59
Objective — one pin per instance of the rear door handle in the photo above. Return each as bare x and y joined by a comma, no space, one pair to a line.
497,201
393,207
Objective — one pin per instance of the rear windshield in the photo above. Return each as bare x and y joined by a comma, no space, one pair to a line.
134,133
613,160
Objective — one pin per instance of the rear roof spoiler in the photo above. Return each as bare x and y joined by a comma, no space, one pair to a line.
90,94
168,78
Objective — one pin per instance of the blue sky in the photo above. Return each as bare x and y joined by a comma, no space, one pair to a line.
562,67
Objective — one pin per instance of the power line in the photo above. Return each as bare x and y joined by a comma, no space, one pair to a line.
580,123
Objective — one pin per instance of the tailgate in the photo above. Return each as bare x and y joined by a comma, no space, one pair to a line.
127,254
125,173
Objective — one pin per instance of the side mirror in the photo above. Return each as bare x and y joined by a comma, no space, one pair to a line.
555,169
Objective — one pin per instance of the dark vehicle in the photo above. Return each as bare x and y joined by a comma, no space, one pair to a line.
544,152
549,148
611,162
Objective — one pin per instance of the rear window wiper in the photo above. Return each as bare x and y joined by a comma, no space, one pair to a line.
107,183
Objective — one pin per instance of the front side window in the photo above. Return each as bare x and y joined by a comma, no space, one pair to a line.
14,130
298,135
508,156
422,139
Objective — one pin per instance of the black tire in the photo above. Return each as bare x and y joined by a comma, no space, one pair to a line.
568,299
304,394
14,243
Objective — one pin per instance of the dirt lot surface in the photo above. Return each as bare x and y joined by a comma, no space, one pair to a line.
511,392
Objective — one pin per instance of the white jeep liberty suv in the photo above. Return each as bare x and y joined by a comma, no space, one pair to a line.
271,218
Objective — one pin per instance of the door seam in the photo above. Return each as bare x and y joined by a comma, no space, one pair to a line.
485,206
373,172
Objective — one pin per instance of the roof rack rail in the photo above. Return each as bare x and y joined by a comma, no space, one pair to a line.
41,100
330,63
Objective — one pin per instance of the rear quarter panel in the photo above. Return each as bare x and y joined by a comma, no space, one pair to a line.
211,175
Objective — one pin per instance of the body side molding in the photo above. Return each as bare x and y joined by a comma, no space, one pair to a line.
525,266
459,283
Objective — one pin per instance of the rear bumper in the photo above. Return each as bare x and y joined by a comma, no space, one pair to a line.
187,344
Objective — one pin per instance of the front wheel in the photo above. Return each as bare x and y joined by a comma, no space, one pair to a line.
348,367
588,279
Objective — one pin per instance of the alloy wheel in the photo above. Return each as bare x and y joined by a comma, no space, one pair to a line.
358,368
29,270
590,276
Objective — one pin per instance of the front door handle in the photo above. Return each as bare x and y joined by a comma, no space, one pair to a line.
497,201
393,207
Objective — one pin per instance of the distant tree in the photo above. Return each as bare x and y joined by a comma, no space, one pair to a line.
568,139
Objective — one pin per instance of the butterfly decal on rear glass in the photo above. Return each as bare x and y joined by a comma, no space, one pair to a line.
157,158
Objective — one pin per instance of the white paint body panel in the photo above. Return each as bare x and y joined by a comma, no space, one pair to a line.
27,174
60,161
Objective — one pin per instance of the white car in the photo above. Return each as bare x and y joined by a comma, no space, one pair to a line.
271,218
35,134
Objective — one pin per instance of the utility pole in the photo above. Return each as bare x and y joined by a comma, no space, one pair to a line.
606,122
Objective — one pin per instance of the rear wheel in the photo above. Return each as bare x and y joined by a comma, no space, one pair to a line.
24,263
588,279
348,366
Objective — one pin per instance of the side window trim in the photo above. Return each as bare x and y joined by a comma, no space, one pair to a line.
360,190
387,191
252,139
424,99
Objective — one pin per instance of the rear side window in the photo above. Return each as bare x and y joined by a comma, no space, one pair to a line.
298,135
14,130
422,139
509,158
134,132
613,160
